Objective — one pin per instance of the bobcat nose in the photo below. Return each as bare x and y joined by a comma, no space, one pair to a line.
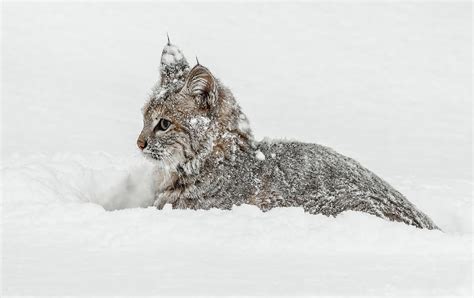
141,144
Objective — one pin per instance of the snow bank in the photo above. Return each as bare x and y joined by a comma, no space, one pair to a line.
59,229
102,179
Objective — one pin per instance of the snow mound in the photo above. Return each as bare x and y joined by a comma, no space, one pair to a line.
113,183
57,222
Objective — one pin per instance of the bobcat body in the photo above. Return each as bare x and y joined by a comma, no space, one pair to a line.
207,157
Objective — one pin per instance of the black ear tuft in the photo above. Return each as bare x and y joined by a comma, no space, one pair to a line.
202,85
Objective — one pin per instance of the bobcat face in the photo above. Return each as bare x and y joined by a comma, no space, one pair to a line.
180,126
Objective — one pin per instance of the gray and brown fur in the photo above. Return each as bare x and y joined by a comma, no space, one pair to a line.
208,157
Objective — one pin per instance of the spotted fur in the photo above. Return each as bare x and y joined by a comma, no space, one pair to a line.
208,157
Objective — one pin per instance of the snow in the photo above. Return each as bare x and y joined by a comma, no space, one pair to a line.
386,84
171,55
259,155
243,123
200,121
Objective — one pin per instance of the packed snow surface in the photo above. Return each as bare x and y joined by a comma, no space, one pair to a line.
386,84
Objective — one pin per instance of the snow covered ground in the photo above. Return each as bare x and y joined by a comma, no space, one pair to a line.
387,84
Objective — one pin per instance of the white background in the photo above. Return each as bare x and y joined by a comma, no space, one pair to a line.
387,84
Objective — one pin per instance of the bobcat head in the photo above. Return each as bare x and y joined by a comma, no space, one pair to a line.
191,117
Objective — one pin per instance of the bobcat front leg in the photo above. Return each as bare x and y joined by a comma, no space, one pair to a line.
159,202
165,192
178,199
169,196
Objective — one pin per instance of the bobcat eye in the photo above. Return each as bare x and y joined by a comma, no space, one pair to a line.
163,125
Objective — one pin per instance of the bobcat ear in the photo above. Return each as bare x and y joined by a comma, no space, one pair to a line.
202,85
173,67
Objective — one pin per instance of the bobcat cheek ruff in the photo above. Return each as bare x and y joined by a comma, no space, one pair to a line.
207,157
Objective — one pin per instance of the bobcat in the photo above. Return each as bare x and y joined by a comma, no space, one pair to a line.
207,157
